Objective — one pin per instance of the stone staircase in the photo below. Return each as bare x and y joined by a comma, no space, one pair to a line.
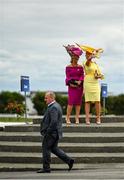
20,146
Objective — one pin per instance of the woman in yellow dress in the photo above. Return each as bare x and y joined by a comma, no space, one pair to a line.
91,82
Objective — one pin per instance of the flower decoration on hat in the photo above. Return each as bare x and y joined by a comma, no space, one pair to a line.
73,50
94,51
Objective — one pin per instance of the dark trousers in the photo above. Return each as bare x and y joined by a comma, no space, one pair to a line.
50,144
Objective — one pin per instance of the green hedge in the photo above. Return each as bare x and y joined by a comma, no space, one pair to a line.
114,104
12,119
40,106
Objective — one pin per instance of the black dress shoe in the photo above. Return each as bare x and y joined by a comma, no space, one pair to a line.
71,164
43,171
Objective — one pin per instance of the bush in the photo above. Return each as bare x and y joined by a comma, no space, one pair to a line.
40,106
62,100
7,97
119,105
15,108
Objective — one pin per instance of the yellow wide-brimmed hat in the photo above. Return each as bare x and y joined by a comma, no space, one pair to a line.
94,51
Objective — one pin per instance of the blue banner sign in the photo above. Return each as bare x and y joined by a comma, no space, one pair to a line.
104,92
25,83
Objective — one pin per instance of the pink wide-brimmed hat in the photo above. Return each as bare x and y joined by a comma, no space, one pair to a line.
73,50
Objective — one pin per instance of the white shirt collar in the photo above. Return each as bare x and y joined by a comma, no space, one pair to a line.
51,103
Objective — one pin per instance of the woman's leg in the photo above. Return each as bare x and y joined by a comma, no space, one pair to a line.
87,112
98,111
69,110
77,107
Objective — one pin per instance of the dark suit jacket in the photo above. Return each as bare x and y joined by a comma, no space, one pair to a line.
52,120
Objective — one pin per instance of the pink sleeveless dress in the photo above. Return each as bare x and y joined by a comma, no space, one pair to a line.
74,93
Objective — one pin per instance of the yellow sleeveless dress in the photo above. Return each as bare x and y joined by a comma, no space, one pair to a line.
91,85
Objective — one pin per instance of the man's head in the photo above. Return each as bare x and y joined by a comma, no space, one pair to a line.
49,97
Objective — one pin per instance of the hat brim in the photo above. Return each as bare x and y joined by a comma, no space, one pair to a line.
87,48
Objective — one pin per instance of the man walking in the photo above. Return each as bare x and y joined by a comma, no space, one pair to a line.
51,130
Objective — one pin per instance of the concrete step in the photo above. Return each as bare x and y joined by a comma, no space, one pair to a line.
67,137
13,157
104,119
80,166
1,128
67,147
20,145
82,127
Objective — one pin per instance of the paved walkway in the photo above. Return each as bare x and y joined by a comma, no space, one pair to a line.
88,172
3,124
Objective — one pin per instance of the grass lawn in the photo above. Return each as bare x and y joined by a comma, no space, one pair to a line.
14,119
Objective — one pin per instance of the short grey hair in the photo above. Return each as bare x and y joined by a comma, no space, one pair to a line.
51,94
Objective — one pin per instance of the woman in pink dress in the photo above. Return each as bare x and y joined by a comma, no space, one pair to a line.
74,81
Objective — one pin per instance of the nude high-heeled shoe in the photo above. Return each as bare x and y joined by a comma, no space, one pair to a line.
68,122
98,121
77,121
87,122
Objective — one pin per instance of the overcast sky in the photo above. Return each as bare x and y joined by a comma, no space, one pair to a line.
33,32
